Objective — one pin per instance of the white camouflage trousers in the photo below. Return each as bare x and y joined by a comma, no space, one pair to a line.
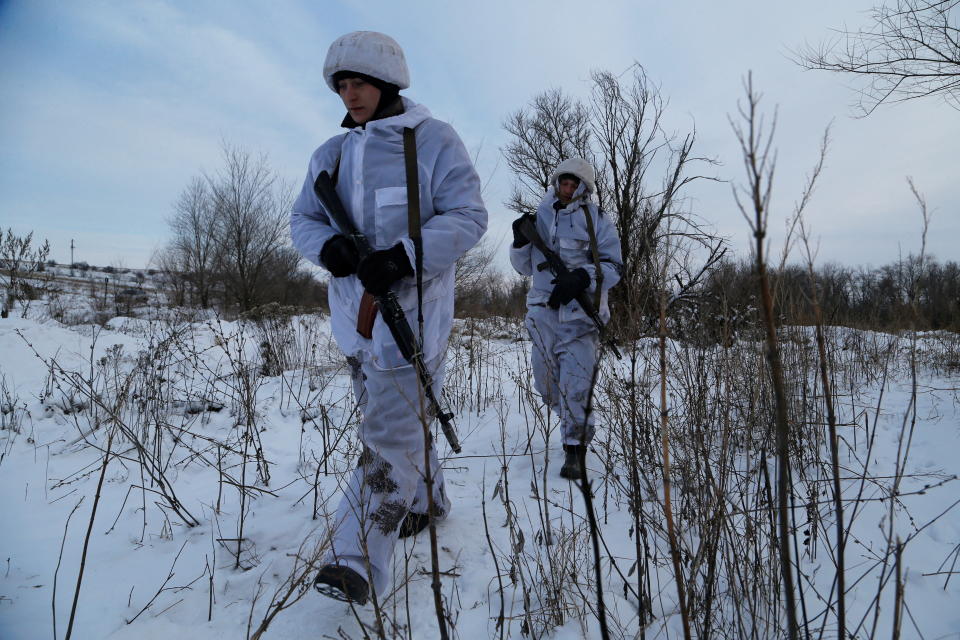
563,356
389,479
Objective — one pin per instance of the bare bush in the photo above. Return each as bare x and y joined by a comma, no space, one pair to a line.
482,291
21,262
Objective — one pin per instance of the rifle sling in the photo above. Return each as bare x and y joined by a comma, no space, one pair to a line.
596,256
413,184
413,216
368,306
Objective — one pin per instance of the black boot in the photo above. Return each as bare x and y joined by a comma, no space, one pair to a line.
413,524
342,583
571,463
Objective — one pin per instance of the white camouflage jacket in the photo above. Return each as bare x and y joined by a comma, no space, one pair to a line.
372,186
565,231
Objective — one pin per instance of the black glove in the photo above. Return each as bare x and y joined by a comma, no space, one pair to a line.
379,270
568,286
520,240
339,256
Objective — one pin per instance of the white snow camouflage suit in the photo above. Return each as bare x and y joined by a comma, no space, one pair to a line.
372,185
565,340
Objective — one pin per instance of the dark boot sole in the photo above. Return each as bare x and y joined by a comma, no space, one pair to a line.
339,591
332,592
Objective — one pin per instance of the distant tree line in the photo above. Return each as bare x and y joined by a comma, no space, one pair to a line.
906,294
901,295
230,250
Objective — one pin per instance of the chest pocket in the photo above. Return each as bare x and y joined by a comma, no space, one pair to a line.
391,215
573,244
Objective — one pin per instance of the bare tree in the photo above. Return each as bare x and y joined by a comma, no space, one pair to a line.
626,123
251,206
910,50
230,236
193,250
551,129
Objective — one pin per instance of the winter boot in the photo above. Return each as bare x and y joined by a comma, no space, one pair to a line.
571,463
342,583
413,524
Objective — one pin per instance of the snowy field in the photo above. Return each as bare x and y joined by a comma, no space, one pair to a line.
228,442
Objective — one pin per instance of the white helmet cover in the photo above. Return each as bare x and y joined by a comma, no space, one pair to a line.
370,53
578,167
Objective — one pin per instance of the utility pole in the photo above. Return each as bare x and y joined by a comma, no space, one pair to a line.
71,257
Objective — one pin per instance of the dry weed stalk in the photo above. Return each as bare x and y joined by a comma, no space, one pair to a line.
86,538
755,144
665,447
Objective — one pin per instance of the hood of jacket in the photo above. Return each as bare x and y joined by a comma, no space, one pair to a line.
580,196
578,167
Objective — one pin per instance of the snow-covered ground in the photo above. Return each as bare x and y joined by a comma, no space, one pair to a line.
90,294
245,459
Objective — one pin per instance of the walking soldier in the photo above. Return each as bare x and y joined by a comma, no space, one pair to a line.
393,154
565,332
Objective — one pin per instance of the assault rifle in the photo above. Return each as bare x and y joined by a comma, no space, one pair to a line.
558,268
389,306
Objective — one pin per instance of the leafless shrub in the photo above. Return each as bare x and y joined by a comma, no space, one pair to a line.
12,410
482,291
275,331
22,263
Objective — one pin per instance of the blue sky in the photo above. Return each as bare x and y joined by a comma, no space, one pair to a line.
107,109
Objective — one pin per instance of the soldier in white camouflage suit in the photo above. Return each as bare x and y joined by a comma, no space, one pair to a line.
565,340
386,497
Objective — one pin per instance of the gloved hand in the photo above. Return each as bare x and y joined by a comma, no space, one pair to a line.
520,240
379,270
339,256
568,286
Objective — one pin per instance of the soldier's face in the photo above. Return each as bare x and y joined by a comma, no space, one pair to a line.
565,189
359,97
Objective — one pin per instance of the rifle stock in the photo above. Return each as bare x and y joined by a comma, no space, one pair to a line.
389,305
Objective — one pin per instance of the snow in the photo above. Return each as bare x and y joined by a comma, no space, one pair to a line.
186,370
